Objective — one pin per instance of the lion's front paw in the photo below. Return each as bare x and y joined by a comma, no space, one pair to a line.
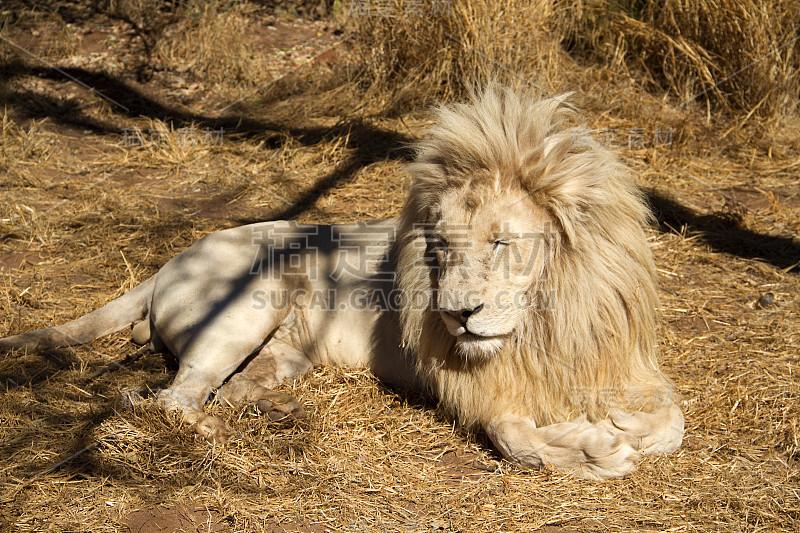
607,455
657,432
589,450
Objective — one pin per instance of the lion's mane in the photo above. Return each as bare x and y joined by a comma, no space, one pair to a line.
589,342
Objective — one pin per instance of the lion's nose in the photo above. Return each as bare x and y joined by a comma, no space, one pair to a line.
462,315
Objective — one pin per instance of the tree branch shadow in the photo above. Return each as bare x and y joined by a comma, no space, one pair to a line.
367,142
724,233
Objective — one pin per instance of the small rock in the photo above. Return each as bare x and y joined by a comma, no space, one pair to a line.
766,300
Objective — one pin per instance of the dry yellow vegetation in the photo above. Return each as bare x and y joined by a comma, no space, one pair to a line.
131,128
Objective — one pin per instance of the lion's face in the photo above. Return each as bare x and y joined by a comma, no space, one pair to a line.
490,257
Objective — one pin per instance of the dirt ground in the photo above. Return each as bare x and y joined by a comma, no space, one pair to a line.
120,148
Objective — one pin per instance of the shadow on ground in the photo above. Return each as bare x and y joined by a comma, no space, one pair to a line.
368,143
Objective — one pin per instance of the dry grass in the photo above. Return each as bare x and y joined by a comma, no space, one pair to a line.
739,56
416,52
18,147
209,44
138,12
48,34
93,200
58,40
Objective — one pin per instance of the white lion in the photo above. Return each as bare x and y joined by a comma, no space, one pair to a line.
517,285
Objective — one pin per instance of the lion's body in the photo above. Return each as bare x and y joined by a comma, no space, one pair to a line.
313,291
517,285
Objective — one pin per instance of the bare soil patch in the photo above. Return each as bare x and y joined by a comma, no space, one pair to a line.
162,519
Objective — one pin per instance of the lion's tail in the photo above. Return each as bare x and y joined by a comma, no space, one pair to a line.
131,307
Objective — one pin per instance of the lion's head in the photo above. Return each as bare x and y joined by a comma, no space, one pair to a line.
524,265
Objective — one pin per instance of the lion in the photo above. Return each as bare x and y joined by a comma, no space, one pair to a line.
516,285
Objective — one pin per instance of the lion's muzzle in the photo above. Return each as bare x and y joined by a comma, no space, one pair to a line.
456,320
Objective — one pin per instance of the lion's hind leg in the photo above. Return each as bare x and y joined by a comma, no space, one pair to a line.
197,376
213,355
187,395
275,363
589,450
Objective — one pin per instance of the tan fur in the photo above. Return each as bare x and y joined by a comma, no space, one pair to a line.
528,301
589,345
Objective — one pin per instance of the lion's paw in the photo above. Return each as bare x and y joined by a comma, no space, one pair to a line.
589,450
278,406
604,452
608,457
651,433
209,427
213,429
